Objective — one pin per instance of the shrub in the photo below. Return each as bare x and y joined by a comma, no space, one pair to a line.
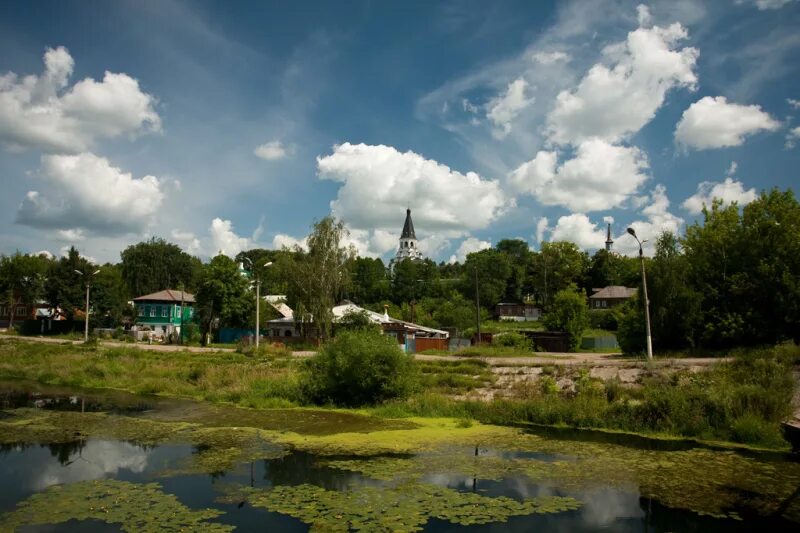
359,368
513,339
631,331
605,318
569,314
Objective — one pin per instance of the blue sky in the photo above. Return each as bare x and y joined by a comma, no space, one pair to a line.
223,126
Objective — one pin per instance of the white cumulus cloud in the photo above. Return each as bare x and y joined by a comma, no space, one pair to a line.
379,182
657,219
712,122
468,246
615,100
600,176
548,58
542,225
579,229
271,151
85,191
224,240
281,240
41,112
792,137
504,108
728,191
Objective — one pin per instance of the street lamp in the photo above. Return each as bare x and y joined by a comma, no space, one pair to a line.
258,295
88,284
632,232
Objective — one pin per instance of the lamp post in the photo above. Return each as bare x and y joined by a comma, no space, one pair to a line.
632,232
86,319
258,296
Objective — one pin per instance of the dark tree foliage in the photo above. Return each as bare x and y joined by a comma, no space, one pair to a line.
609,268
155,265
411,280
557,266
370,281
65,287
109,297
223,297
22,276
520,256
493,269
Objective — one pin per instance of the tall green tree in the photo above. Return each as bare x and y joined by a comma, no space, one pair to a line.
64,286
154,265
519,256
22,276
321,275
492,269
558,265
223,296
569,313
609,268
110,297
370,282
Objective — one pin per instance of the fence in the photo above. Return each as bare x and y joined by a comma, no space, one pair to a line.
425,343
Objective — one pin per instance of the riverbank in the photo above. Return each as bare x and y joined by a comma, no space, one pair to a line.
742,400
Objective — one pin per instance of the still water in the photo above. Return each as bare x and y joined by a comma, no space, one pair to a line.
240,493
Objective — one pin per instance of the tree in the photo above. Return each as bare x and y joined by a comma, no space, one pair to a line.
519,255
674,304
412,279
370,283
22,276
321,275
223,297
64,286
493,270
568,313
155,265
609,268
109,296
557,266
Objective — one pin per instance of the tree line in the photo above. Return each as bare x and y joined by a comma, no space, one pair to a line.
732,279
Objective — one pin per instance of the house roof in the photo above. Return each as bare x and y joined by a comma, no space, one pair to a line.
168,295
614,291
408,227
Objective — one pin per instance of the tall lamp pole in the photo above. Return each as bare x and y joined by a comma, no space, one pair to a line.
258,297
632,232
86,319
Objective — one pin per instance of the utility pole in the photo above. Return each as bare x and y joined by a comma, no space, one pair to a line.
632,232
258,297
86,319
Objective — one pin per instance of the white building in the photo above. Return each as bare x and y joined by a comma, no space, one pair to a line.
408,243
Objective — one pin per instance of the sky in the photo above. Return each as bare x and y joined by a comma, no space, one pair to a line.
224,126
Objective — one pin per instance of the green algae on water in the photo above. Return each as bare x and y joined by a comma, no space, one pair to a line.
402,507
135,507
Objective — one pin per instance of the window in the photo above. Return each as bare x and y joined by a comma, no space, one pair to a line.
152,310
604,303
21,310
165,311
140,310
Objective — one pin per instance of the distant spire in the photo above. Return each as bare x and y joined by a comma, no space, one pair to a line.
609,242
408,227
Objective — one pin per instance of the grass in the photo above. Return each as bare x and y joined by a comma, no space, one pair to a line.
743,400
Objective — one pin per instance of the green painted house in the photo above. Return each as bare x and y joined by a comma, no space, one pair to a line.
161,311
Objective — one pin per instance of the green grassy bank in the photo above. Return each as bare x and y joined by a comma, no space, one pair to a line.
741,401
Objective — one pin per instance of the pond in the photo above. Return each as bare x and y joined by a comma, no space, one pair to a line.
73,460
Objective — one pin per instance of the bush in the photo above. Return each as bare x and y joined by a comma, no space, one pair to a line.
631,331
569,314
359,368
605,318
513,339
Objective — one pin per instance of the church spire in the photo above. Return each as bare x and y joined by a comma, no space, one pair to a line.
609,242
408,227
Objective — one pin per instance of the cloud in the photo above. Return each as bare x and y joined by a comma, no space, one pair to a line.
792,137
728,191
764,5
271,151
85,191
468,246
541,228
224,240
504,108
615,101
188,241
37,111
712,122
657,219
579,229
282,240
795,104
600,176
379,182
548,58
70,235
